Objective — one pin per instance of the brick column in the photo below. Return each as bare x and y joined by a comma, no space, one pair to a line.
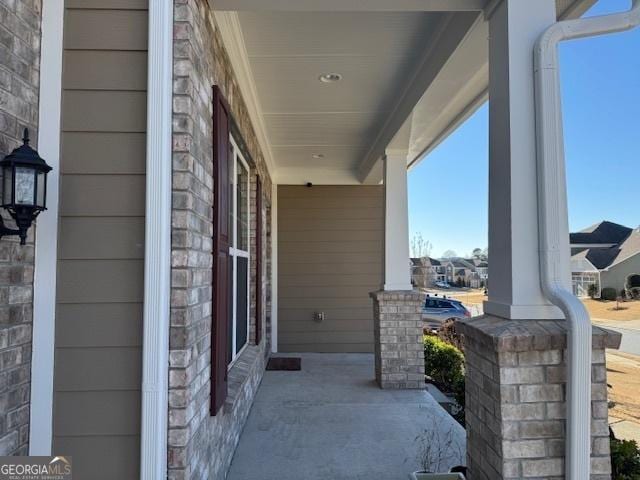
397,317
515,398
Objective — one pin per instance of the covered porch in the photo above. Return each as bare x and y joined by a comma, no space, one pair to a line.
331,421
340,100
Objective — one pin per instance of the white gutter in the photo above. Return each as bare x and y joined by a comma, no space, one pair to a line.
157,256
553,224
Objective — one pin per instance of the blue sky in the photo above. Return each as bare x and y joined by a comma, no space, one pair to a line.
601,105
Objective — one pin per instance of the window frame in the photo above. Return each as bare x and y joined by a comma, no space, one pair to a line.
238,158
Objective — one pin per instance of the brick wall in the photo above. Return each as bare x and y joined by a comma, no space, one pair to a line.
201,446
515,399
19,81
397,329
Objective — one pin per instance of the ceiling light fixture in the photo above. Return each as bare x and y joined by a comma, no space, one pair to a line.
330,77
318,156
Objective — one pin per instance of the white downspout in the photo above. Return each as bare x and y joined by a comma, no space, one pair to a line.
553,224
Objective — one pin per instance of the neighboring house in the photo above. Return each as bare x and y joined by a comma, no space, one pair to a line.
426,271
606,255
229,182
466,272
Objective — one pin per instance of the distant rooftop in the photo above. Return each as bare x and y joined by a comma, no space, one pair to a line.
609,243
599,233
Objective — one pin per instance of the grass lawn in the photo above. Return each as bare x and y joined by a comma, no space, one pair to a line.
623,374
471,297
606,309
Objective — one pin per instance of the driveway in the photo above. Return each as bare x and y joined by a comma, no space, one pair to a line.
623,374
630,330
330,421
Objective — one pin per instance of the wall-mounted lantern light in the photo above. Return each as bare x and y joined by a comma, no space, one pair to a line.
24,188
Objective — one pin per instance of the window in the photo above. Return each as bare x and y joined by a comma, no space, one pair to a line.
238,252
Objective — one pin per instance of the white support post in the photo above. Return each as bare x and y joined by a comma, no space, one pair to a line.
397,274
46,254
514,285
274,268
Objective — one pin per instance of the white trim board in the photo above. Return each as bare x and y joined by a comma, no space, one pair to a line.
157,261
46,248
274,268
231,32
351,5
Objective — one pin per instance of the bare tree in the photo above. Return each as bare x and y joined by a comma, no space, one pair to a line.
439,449
420,247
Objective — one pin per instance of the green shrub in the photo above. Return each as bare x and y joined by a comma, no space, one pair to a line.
592,290
443,362
625,460
609,293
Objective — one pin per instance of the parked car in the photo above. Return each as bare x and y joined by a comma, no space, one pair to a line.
437,310
442,285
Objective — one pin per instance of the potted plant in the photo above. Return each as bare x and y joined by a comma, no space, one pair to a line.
435,476
438,448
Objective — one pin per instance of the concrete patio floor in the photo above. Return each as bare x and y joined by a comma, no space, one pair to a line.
331,422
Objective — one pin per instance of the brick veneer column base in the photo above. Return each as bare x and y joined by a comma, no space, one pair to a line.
515,398
397,330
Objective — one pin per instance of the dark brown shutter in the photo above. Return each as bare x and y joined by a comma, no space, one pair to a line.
221,259
259,220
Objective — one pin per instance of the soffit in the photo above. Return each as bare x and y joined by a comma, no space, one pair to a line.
375,52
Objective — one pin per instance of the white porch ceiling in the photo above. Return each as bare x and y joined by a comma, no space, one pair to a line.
420,61
375,52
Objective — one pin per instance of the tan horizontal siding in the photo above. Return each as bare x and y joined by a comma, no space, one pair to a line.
119,367
97,413
100,281
333,323
104,29
333,246
101,238
337,337
86,238
330,191
113,4
330,241
104,111
111,195
111,153
105,70
336,291
293,212
325,280
334,315
304,224
346,268
357,236
354,203
99,325
319,303
336,258
124,448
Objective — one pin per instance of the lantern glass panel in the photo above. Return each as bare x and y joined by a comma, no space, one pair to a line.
25,186
41,189
7,186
